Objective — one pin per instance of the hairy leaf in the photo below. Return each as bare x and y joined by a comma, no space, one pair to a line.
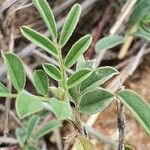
52,71
32,124
27,104
70,24
61,109
21,135
57,92
4,92
82,63
108,42
15,70
82,143
77,50
95,101
47,15
74,93
98,77
138,106
78,77
50,126
41,82
40,40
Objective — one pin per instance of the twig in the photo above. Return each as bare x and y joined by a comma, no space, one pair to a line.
114,86
8,140
121,125
128,40
137,59
126,10
58,139
4,109
6,5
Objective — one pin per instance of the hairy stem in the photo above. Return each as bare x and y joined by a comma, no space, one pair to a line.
63,75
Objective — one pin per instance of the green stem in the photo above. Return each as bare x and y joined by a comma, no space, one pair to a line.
13,95
64,76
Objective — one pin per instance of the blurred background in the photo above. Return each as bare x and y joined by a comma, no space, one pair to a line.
99,18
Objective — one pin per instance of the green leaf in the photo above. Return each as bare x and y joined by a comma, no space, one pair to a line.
27,104
98,77
57,92
52,71
138,106
41,82
74,93
82,143
77,50
78,77
127,147
21,135
32,124
15,70
82,63
95,101
50,126
70,24
108,42
40,40
144,32
47,15
61,109
146,19
30,147
141,9
4,92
